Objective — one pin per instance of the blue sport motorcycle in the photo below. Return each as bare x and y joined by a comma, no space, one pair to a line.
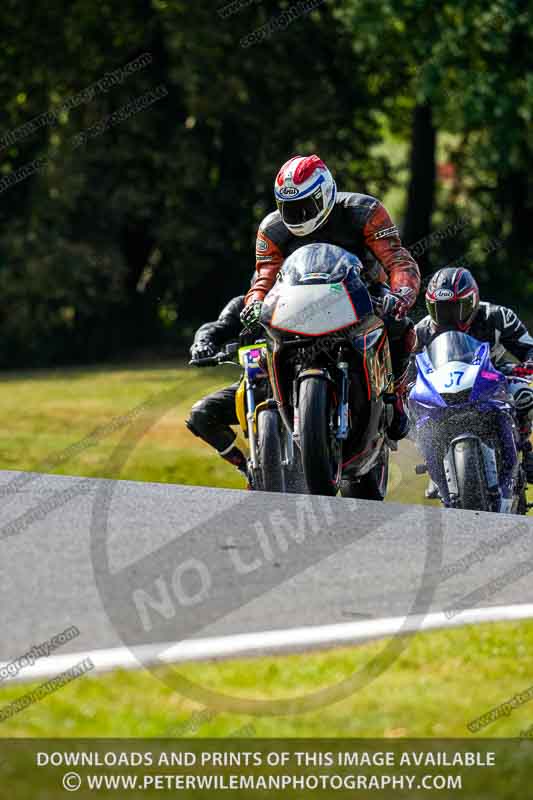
466,427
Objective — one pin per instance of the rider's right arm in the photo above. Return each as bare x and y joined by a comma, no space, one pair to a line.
268,256
423,335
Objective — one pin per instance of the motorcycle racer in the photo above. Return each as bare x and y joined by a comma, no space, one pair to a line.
453,303
310,210
211,417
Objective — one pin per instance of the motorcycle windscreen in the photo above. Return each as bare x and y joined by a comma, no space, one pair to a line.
313,310
453,346
456,359
319,262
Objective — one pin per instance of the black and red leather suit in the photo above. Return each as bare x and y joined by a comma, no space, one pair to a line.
360,224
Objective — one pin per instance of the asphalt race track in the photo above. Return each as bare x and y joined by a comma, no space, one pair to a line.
135,563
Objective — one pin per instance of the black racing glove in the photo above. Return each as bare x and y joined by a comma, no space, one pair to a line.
202,350
397,304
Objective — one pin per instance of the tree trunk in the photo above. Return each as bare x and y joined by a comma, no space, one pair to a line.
518,210
421,191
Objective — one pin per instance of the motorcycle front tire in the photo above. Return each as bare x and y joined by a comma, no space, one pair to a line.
321,462
269,451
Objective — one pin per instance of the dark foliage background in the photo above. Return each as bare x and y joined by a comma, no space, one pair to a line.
129,241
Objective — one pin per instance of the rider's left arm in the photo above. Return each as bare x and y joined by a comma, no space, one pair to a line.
223,329
383,240
514,335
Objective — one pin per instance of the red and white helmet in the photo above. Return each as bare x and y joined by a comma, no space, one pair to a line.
305,194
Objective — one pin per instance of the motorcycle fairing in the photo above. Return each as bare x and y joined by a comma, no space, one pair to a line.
376,380
314,309
240,407
373,346
363,461
489,384
479,376
275,382
423,391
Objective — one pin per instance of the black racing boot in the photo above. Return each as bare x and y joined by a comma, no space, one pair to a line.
528,461
235,457
432,491
401,341
525,445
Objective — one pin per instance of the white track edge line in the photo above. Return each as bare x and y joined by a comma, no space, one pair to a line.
274,642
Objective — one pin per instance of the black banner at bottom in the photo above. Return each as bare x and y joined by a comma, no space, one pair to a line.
31,769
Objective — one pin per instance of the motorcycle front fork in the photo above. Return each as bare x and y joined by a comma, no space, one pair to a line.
250,420
286,443
343,423
343,410
287,447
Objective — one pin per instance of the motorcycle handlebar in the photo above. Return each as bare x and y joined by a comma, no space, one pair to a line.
522,371
219,358
516,370
210,361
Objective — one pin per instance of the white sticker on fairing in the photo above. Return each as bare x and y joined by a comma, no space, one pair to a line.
313,310
315,276
456,376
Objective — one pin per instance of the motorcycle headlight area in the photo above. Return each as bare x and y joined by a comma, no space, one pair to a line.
454,398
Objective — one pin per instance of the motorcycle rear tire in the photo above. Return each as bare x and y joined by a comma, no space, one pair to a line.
321,466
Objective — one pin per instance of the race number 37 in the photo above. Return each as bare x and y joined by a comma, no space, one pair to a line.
455,379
